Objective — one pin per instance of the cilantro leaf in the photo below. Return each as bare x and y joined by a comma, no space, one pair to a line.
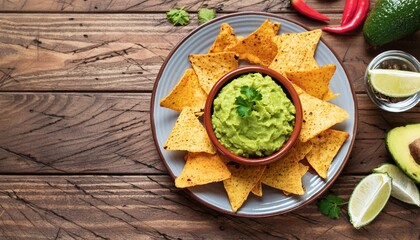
330,205
245,105
251,93
242,102
178,16
243,111
205,15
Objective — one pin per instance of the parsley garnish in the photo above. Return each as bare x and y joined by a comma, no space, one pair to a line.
245,104
330,205
178,16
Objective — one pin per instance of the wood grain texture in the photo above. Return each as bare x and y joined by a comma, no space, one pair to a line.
159,6
139,207
124,52
86,132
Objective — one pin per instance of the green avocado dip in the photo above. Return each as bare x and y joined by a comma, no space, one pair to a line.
265,128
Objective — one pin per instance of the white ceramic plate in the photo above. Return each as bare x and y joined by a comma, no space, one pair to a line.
213,195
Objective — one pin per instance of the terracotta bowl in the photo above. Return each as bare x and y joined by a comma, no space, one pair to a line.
287,88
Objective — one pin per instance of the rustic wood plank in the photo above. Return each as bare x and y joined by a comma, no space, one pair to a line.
149,207
77,133
124,52
158,6
110,133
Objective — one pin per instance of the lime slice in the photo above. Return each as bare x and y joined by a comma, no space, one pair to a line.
369,198
394,83
403,188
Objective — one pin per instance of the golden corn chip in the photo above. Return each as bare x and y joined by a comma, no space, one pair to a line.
303,169
200,169
189,134
314,81
318,116
325,147
257,190
225,39
240,184
329,95
258,47
278,39
308,63
285,174
298,89
296,51
300,149
212,66
187,93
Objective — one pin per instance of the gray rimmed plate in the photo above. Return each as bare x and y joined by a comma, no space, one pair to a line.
213,195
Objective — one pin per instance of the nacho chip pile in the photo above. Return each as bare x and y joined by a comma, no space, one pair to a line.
292,55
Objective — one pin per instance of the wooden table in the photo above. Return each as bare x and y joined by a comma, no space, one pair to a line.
77,156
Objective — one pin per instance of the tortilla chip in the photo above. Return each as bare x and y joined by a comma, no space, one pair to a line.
315,81
325,147
298,89
296,51
240,184
257,190
329,95
187,93
303,169
285,174
301,149
225,39
212,66
318,116
309,63
189,134
200,169
258,47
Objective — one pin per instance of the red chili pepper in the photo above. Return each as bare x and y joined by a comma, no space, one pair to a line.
358,18
349,10
306,10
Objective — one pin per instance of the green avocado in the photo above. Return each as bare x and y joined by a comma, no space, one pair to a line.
391,20
402,144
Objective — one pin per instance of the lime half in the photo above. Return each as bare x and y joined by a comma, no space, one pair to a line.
403,188
369,198
394,83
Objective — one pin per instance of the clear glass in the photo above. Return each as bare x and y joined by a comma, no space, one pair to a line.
394,59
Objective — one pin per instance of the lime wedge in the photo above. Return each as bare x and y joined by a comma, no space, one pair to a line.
369,198
403,188
394,83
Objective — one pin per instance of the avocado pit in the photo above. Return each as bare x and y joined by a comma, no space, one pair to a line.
415,150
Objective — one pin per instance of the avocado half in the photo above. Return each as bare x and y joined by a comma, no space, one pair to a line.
397,142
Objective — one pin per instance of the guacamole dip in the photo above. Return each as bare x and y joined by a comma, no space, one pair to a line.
267,127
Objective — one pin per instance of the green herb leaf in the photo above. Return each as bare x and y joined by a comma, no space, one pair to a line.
245,105
251,93
240,101
178,16
243,111
330,206
205,15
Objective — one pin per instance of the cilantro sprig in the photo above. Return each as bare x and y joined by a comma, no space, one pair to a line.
330,205
178,16
245,103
